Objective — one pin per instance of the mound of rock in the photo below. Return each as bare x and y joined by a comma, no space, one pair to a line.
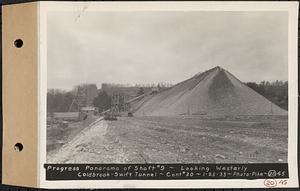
214,92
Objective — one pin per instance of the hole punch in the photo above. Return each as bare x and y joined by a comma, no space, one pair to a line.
18,43
18,147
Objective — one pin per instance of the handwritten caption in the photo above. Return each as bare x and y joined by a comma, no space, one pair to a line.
272,183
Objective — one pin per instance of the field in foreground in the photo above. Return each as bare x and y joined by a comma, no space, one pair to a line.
59,136
182,139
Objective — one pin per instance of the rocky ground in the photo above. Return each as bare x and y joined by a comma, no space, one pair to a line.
182,139
58,136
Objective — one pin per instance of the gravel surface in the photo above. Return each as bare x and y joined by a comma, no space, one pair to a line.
183,139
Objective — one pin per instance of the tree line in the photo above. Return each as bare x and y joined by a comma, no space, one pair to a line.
145,85
276,92
60,101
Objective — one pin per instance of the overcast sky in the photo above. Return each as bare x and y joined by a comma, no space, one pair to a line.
152,47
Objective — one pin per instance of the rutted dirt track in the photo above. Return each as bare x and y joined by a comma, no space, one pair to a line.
178,140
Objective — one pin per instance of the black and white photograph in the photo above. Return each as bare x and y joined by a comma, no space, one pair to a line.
150,95
168,95
167,87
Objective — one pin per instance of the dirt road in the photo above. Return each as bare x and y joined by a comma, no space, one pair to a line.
178,140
